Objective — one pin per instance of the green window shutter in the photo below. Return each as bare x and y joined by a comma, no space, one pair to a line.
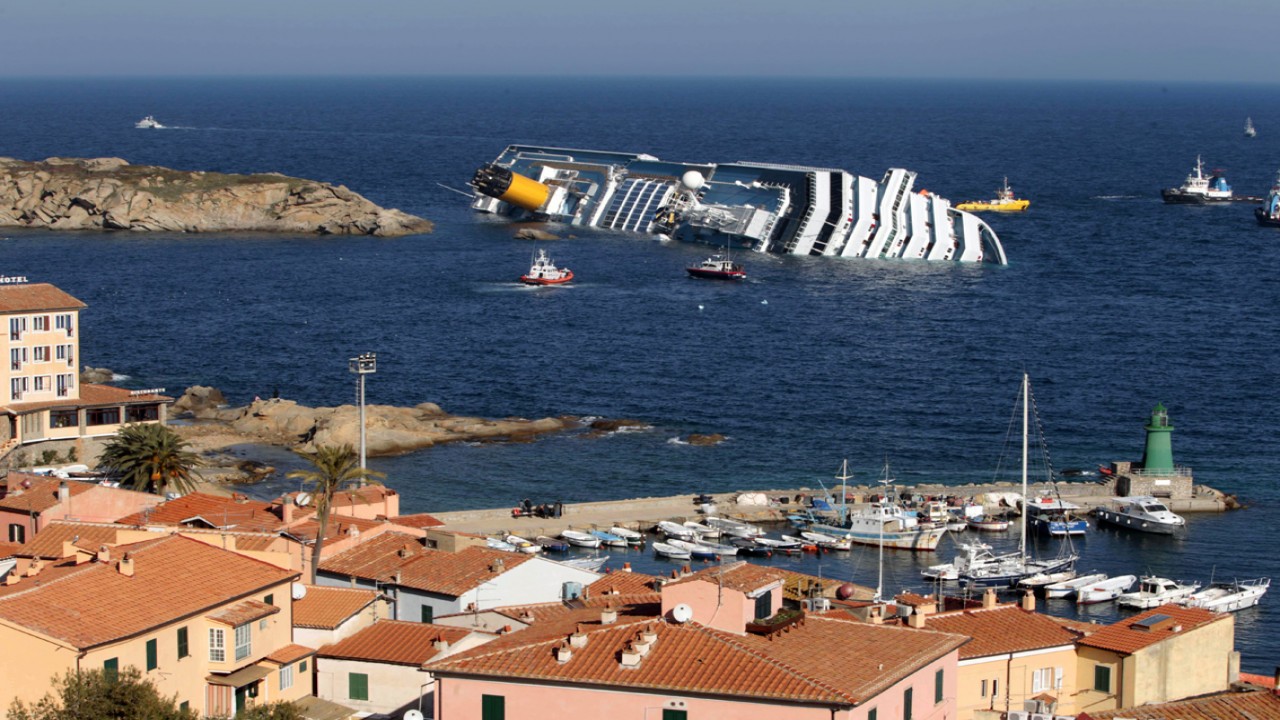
184,706
937,687
428,614
906,704
153,660
675,714
493,707
302,666
184,647
1102,678
111,669
358,686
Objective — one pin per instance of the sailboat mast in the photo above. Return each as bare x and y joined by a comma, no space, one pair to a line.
1026,403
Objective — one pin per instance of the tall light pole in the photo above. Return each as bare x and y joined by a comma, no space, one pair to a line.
364,364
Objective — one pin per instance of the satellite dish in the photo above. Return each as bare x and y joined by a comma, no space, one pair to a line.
298,591
682,613
413,715
302,499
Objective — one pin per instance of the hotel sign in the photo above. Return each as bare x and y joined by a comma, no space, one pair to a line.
148,391
13,279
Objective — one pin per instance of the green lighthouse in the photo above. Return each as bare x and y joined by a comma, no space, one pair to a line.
1158,457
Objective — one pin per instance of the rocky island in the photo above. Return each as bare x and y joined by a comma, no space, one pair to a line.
111,194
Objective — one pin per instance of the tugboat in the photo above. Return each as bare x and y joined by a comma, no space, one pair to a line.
1004,202
1269,214
544,272
717,267
148,123
1199,189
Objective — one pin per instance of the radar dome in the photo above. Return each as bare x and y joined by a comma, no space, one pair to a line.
693,180
845,591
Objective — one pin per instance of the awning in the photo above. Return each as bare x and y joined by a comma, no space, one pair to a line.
241,677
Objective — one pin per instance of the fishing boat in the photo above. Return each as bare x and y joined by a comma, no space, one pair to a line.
1104,590
631,536
736,528
1042,580
749,547
608,538
973,555
1054,517
825,541
1269,214
523,545
1229,596
148,123
1010,570
1156,591
550,544
990,523
694,550
1199,188
580,539
1249,129
718,267
956,523
1142,513
701,530
675,530
669,551
1003,202
1067,588
544,272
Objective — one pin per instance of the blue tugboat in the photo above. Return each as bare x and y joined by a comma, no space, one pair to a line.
1269,214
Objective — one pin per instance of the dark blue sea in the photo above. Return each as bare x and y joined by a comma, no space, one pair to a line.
1112,301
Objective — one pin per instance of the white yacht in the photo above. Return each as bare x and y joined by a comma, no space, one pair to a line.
973,555
1156,591
1229,596
1144,513
148,123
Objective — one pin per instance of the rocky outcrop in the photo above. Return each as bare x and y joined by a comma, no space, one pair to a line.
96,375
389,430
705,439
201,401
111,194
535,234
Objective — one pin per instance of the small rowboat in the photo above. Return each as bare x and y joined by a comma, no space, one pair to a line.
675,530
631,536
1068,588
580,539
1104,590
989,523
701,530
524,546
551,544
803,544
670,552
826,542
748,546
607,538
736,528
695,550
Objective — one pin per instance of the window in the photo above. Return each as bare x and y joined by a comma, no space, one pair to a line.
65,383
65,323
15,387
43,383
270,599
937,687
17,356
153,659
286,677
101,416
40,323
244,641
144,413
906,704
302,666
1046,679
184,706
217,645
428,613
17,326
764,605
1102,678
184,648
17,533
358,687
63,418
995,688
41,353
872,714
494,707
111,669
669,714
984,688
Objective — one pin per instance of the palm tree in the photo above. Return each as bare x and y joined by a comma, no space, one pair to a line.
333,468
151,458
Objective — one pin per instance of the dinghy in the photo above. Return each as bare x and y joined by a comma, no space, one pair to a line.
1068,588
671,552
580,539
1104,590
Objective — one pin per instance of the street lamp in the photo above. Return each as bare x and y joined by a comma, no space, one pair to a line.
365,364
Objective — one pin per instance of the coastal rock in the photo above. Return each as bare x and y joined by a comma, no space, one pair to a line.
201,401
705,439
111,194
95,375
535,234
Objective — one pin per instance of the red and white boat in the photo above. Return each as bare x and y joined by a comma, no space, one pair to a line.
717,267
545,272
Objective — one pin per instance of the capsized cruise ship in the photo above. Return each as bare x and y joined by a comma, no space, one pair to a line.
781,209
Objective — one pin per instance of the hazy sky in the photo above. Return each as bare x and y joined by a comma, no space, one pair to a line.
1164,40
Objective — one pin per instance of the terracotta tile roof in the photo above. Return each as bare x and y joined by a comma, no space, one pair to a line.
1266,681
88,536
290,653
94,603
376,558
798,585
832,662
422,568
339,526
1078,626
741,576
396,642
91,395
367,495
49,572
911,599
245,611
1001,629
8,550
325,608
231,513
623,583
1222,706
1123,638
35,297
28,494
420,521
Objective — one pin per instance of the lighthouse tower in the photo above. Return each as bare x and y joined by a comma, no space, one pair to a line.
1158,457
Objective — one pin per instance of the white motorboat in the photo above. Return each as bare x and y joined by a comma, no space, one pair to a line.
1229,596
1156,591
736,528
1041,580
698,550
580,539
1067,588
1104,590
523,545
675,530
1143,513
148,123
973,556
497,544
824,541
700,530
631,536
591,564
718,548
608,538
671,552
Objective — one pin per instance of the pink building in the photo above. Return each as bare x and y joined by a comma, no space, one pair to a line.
28,503
719,647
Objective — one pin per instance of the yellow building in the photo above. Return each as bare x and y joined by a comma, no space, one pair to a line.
1158,656
210,626
40,391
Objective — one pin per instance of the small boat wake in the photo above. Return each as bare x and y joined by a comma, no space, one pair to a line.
677,441
1116,197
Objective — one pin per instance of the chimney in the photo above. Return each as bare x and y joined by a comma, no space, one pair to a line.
440,645
286,511
68,548
630,657
1029,601
526,617
626,567
104,554
34,568
126,565
563,654
875,616
497,565
578,639
989,598
64,492
649,636
397,577
609,615
915,620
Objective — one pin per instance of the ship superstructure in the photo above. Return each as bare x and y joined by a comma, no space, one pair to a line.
781,209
